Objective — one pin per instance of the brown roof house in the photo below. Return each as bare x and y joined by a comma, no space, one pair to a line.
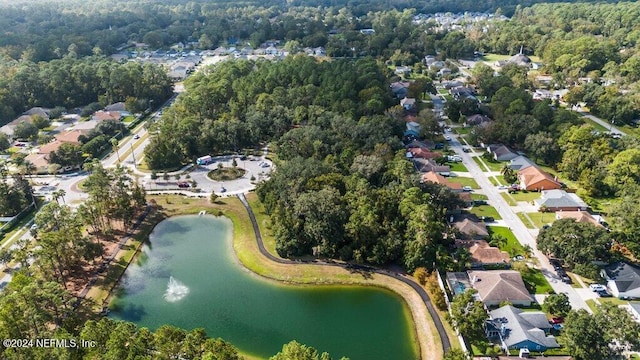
469,227
422,153
496,286
535,179
579,216
439,179
483,254
106,115
426,165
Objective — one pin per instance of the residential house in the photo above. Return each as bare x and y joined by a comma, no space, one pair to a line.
482,254
519,329
476,119
367,31
496,286
402,70
441,180
501,152
452,84
560,200
429,59
634,309
535,179
410,135
422,153
119,106
400,88
39,161
71,136
412,125
444,72
106,115
520,163
10,127
44,112
408,103
462,92
469,227
579,216
520,59
426,144
86,125
437,65
427,165
623,280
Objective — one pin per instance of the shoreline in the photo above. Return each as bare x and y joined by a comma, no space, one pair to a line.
426,342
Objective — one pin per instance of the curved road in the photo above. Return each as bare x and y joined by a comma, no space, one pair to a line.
446,344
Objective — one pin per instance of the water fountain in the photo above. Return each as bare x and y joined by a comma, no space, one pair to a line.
175,290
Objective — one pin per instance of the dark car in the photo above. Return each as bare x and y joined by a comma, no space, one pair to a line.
479,202
555,263
466,149
486,218
603,293
439,146
183,184
566,279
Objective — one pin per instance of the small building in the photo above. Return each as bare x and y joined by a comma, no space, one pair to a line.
400,88
535,179
623,280
496,286
422,153
560,200
39,161
519,329
482,254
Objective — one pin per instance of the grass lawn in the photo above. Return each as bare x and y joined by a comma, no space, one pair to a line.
512,246
493,165
457,166
491,58
600,204
595,125
592,304
535,278
264,222
539,219
526,221
479,197
485,210
462,130
527,196
464,181
225,174
17,227
508,198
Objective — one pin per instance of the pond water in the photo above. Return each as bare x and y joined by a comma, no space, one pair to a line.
187,275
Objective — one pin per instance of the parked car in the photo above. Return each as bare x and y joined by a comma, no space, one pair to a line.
222,190
183,184
603,293
480,202
518,258
566,279
555,263
439,146
558,327
466,149
557,320
448,138
467,188
486,218
136,137
597,287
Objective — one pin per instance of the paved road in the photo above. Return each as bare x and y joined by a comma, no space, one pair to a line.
446,344
523,234
613,129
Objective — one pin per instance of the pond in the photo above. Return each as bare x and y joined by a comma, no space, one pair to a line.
188,276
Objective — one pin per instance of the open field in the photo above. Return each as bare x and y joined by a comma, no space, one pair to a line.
527,196
540,219
458,167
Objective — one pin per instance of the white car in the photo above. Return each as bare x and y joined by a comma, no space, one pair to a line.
597,287
448,138
467,188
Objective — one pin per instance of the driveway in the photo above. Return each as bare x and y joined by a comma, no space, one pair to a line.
517,227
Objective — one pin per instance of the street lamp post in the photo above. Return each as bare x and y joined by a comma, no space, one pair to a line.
133,155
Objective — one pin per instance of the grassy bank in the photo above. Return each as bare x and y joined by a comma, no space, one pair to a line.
427,342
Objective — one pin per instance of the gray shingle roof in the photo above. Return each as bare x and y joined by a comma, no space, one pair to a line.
522,326
626,277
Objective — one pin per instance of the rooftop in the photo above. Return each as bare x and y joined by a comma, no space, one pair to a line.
499,285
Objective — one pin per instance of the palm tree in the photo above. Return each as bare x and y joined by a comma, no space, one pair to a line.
59,194
114,144
509,174
29,168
